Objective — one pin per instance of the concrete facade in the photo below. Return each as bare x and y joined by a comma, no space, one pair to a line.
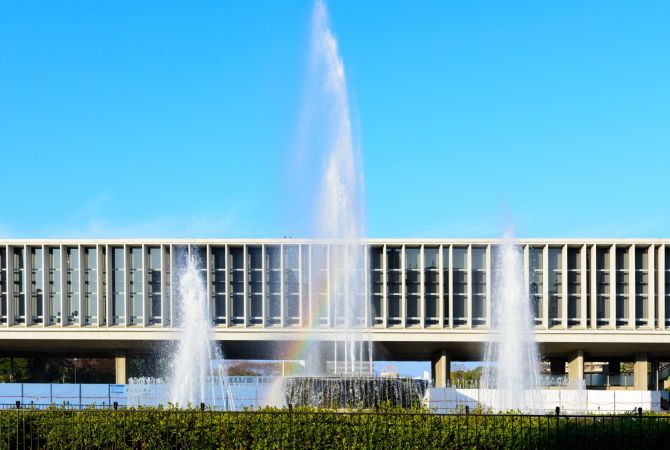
594,299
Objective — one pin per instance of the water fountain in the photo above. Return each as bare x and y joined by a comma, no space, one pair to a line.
340,204
198,375
511,379
511,374
340,207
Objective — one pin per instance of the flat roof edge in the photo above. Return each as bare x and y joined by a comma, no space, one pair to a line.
186,241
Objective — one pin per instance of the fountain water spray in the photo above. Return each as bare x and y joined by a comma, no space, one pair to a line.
340,205
512,370
195,377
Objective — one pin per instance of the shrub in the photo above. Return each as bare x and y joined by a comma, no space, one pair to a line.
158,428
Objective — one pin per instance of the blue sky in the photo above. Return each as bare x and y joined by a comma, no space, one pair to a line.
168,119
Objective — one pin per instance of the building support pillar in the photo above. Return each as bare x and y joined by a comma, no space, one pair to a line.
441,369
120,368
641,372
576,366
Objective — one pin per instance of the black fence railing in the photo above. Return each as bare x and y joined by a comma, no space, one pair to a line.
152,428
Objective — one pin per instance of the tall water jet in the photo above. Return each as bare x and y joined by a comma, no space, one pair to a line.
512,370
198,375
340,205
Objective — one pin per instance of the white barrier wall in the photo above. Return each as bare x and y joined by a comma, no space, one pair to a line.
61,394
257,394
248,392
571,401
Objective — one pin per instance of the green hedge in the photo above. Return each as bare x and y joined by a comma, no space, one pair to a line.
150,428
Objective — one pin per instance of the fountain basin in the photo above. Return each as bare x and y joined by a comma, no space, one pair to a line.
346,392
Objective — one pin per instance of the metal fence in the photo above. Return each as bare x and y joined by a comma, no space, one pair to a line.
124,428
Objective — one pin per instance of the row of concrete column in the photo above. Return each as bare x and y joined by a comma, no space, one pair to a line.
641,368
441,370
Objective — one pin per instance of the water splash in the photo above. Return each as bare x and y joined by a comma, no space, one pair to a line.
340,204
354,392
512,370
198,375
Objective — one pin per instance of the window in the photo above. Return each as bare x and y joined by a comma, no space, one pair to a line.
656,301
305,284
361,306
622,287
91,285
273,280
602,286
394,286
431,286
54,304
154,288
291,285
218,265
255,280
667,286
574,287
3,285
445,287
319,262
478,285
555,286
19,294
118,286
460,285
536,282
167,261
236,264
641,287
72,284
36,285
412,285
135,288
377,284
589,288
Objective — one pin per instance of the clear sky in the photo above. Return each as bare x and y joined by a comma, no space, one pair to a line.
180,119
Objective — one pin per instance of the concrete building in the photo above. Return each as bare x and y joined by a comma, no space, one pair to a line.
592,300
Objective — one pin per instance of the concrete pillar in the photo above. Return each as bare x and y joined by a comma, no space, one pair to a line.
576,366
557,366
641,372
120,368
441,369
